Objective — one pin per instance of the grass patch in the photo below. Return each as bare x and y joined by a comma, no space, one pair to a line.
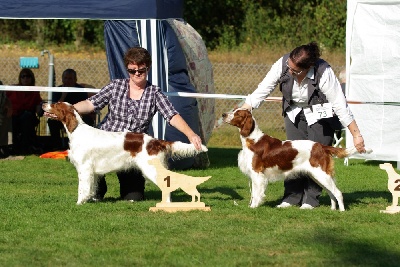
42,226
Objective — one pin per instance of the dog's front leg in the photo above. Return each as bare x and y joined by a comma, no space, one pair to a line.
258,187
84,186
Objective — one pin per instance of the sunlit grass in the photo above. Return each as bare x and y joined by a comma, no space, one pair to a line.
40,224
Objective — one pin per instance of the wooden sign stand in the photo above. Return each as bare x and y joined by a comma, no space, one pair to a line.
169,181
393,186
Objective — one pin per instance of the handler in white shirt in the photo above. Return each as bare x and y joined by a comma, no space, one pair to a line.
313,103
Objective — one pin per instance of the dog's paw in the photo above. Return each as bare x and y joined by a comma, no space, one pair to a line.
255,203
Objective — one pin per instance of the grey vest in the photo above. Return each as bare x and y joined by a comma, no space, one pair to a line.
315,96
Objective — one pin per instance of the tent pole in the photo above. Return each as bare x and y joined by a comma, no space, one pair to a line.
51,78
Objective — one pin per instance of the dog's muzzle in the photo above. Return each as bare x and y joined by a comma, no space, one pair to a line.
227,117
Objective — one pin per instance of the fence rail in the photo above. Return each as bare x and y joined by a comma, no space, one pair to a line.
229,78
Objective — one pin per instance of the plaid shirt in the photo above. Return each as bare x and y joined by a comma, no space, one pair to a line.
126,114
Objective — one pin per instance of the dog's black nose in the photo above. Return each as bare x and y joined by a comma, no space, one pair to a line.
224,115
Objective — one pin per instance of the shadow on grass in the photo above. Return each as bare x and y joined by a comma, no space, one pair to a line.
216,193
349,199
348,251
223,157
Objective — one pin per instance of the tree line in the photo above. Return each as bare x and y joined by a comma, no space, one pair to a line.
223,24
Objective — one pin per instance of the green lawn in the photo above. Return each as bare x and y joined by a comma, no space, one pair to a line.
41,225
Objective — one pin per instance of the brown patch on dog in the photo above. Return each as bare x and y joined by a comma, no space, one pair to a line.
244,121
133,143
321,157
156,145
70,120
65,114
270,152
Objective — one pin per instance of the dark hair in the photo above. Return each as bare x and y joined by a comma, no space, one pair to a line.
69,71
305,56
138,56
27,72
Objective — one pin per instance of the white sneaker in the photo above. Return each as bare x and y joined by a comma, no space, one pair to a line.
306,207
284,205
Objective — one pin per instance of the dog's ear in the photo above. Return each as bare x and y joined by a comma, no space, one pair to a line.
248,125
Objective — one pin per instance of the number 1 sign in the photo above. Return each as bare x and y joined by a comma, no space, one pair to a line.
169,181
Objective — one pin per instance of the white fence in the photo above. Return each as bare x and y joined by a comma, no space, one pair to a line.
229,78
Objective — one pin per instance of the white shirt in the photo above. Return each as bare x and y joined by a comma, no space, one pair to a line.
328,84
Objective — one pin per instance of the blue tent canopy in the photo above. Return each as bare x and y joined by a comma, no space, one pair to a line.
131,23
91,9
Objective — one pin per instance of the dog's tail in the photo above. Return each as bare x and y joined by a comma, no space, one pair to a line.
184,150
342,152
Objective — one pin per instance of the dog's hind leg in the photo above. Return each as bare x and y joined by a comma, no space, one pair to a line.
339,197
333,200
327,182
258,187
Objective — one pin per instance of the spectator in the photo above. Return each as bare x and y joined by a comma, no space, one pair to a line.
69,79
306,82
5,119
26,107
132,104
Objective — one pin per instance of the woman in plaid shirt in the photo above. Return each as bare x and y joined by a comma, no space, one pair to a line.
132,103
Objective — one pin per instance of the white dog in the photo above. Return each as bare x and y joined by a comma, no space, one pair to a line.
266,159
95,152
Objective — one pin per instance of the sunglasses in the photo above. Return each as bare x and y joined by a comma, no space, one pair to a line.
139,71
295,72
25,76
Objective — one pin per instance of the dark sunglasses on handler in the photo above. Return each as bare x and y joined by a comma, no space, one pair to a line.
139,71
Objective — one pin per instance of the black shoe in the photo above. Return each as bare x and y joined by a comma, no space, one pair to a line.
134,196
35,150
4,152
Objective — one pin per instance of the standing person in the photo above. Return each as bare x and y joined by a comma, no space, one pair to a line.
25,111
5,117
69,79
132,103
309,86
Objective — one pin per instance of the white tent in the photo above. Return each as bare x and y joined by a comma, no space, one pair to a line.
373,74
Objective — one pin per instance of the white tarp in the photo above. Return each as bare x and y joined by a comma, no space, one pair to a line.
373,74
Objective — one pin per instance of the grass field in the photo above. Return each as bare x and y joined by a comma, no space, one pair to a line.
42,226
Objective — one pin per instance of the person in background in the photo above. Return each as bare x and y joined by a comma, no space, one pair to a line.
5,118
26,107
132,103
307,83
69,79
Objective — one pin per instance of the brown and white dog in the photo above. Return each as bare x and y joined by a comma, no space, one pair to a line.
266,159
95,152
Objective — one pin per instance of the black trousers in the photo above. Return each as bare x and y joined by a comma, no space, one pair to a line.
24,131
130,181
302,189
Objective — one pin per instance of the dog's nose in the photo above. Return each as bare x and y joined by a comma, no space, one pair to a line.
224,115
